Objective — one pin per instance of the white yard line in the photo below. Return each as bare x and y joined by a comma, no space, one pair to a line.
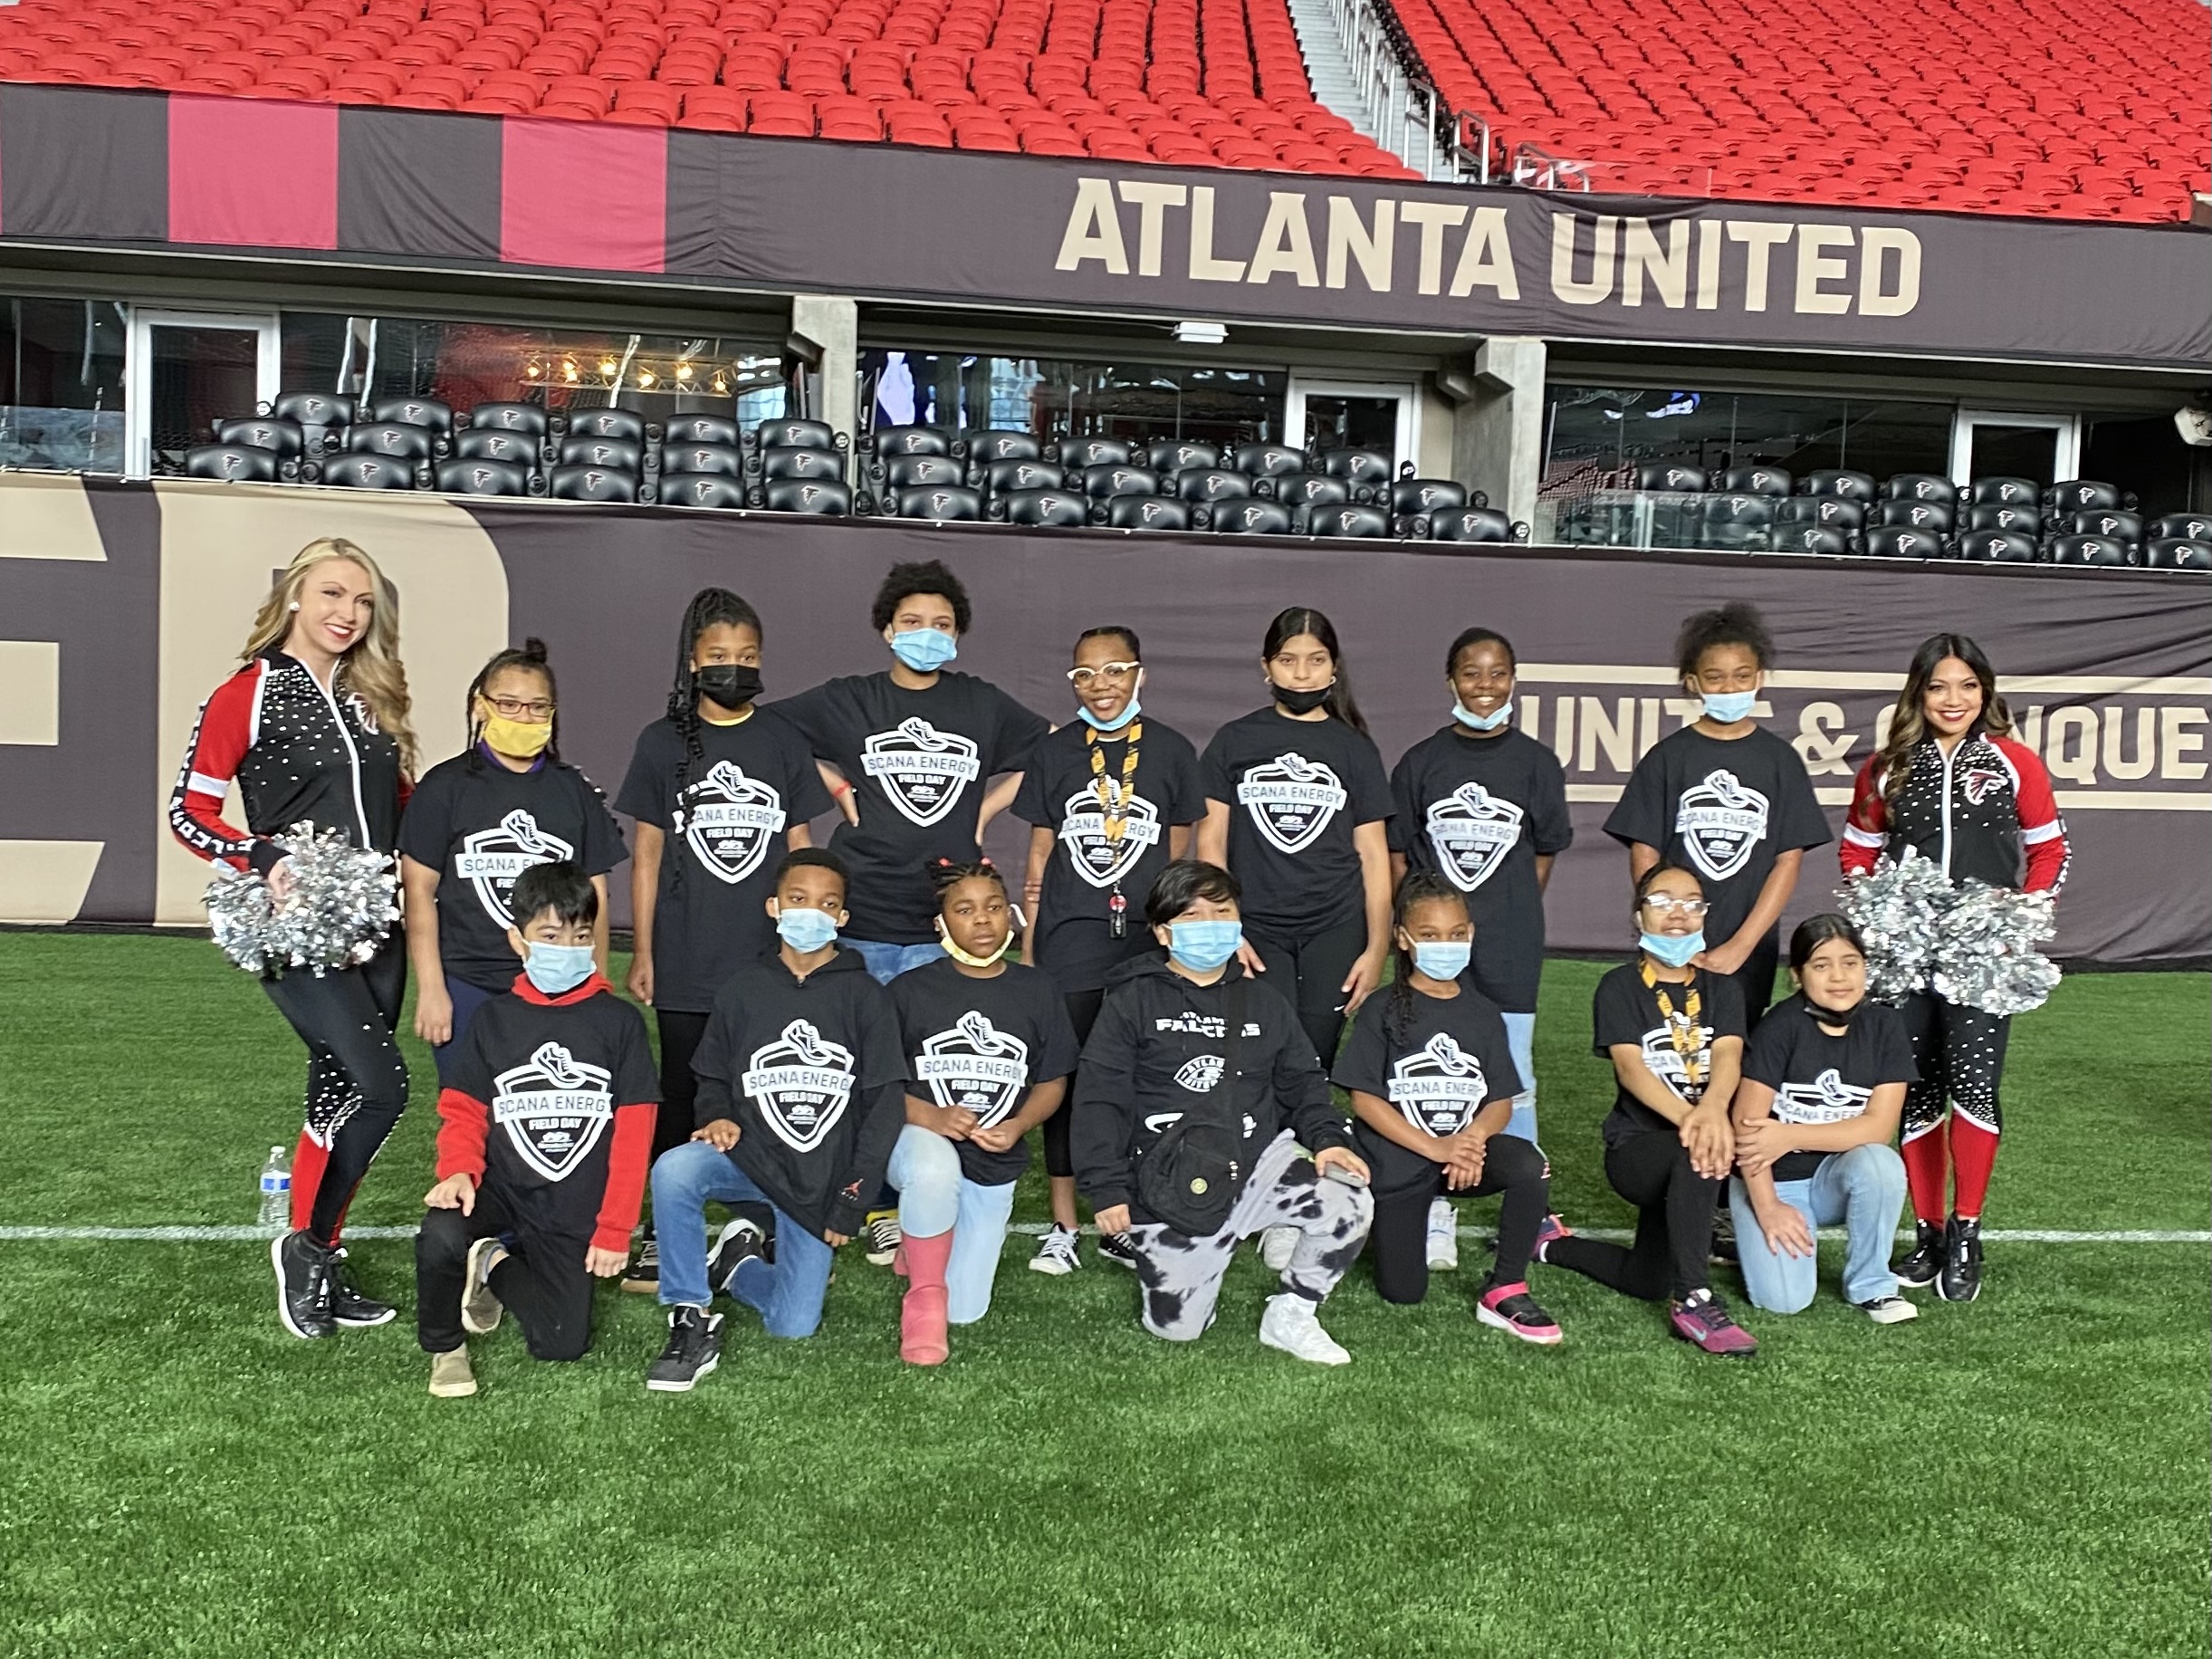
1619,1235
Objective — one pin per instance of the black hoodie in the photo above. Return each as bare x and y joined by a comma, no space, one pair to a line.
1162,1047
814,1075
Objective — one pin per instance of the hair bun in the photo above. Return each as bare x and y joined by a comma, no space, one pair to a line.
534,649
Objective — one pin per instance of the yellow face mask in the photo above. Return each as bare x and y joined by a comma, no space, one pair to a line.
523,739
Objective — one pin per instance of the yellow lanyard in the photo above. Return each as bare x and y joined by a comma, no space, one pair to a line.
1684,1031
1114,802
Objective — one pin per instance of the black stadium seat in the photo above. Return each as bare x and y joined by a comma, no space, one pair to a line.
983,444
1210,484
1756,480
1999,546
1147,512
943,502
282,437
1474,524
2084,495
1736,522
1312,490
715,489
1675,479
702,455
797,434
1931,515
2076,549
526,419
888,441
905,471
586,482
232,463
1367,471
2005,492
478,478
1841,482
2180,554
827,497
1894,541
2183,526
621,424
1828,512
317,408
490,444
1428,496
1252,518
1055,508
1105,481
1264,463
1351,518
1170,455
2116,522
1990,515
392,440
426,412
1001,477
1079,452
609,454
1809,538
1921,486
782,461
702,429
367,471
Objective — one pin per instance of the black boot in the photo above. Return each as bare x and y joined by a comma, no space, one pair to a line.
1917,1271
1961,1279
304,1271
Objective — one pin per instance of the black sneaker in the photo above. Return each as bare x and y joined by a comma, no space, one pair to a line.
1115,1247
1917,1271
739,1237
643,1276
347,1305
1961,1277
694,1349
302,1285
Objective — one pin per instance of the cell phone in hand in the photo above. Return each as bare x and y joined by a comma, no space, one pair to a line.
1350,1177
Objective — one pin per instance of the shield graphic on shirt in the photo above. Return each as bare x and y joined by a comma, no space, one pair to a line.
923,771
802,1083
1472,831
1721,821
1439,1085
975,1065
730,821
1291,800
1100,862
490,859
1666,1062
553,1108
1827,1098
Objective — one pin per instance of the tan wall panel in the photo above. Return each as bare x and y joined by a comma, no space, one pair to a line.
48,517
219,543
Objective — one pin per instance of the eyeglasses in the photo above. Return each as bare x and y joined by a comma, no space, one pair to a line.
1665,903
1110,674
521,708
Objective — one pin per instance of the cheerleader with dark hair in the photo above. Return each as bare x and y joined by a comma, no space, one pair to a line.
1952,785
720,790
478,821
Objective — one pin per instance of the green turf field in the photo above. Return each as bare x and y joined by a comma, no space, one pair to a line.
2025,1476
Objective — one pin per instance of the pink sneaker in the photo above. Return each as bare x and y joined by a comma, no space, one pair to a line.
1513,1311
1700,1318
1550,1230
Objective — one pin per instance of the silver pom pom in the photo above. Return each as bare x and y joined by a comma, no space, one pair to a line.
1986,957
1898,908
339,911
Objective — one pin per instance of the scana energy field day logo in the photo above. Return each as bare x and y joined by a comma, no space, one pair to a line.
554,1107
1291,800
920,768
976,1067
1100,862
1472,831
1439,1085
490,859
802,1083
1720,820
730,820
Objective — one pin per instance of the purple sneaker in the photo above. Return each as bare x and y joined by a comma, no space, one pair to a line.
1548,1231
1700,1318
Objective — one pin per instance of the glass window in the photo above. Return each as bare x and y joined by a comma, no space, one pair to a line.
1057,398
62,384
468,363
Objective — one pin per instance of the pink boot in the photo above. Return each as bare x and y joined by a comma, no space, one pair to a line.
921,1340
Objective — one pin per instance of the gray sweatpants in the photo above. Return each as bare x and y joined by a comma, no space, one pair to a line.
1182,1276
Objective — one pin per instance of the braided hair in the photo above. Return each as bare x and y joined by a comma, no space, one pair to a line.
709,608
1419,887
529,656
945,874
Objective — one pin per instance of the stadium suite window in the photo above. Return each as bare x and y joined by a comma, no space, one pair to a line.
467,363
1594,432
62,384
1055,398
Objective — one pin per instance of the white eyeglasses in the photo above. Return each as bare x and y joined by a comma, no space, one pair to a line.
1110,674
1665,903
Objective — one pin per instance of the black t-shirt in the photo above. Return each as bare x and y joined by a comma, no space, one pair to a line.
1819,1079
1722,808
1626,1010
551,1076
1451,1061
726,816
1295,790
1482,810
982,1044
918,761
480,825
1061,794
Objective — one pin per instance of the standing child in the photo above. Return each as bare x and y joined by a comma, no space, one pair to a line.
545,1118
475,822
988,1050
1431,1078
720,790
801,1087
1112,797
1727,799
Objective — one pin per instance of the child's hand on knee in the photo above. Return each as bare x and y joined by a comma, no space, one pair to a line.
456,1191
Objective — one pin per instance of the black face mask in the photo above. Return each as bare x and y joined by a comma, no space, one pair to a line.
731,684
1829,1016
1299,702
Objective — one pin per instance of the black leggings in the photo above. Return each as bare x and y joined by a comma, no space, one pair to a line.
356,1079
542,1281
680,1031
1083,1008
1310,974
1674,1221
1959,1053
1399,1240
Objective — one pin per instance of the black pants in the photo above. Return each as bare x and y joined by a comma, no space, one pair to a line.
680,1033
1959,1053
1311,973
1399,1239
1755,979
1674,1223
356,1079
543,1282
1083,1008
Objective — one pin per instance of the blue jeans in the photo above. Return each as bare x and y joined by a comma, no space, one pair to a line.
1864,1189
885,962
1521,1039
787,1293
466,1000
934,1197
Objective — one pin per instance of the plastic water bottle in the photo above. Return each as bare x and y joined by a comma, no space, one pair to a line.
276,1191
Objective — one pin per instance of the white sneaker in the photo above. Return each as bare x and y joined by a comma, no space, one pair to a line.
1888,1310
1057,1254
1443,1236
1276,1246
1291,1324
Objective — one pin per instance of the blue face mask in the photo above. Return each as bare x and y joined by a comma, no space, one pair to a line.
1204,946
924,649
1482,723
804,929
1673,949
1730,707
558,969
1443,958
1114,724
